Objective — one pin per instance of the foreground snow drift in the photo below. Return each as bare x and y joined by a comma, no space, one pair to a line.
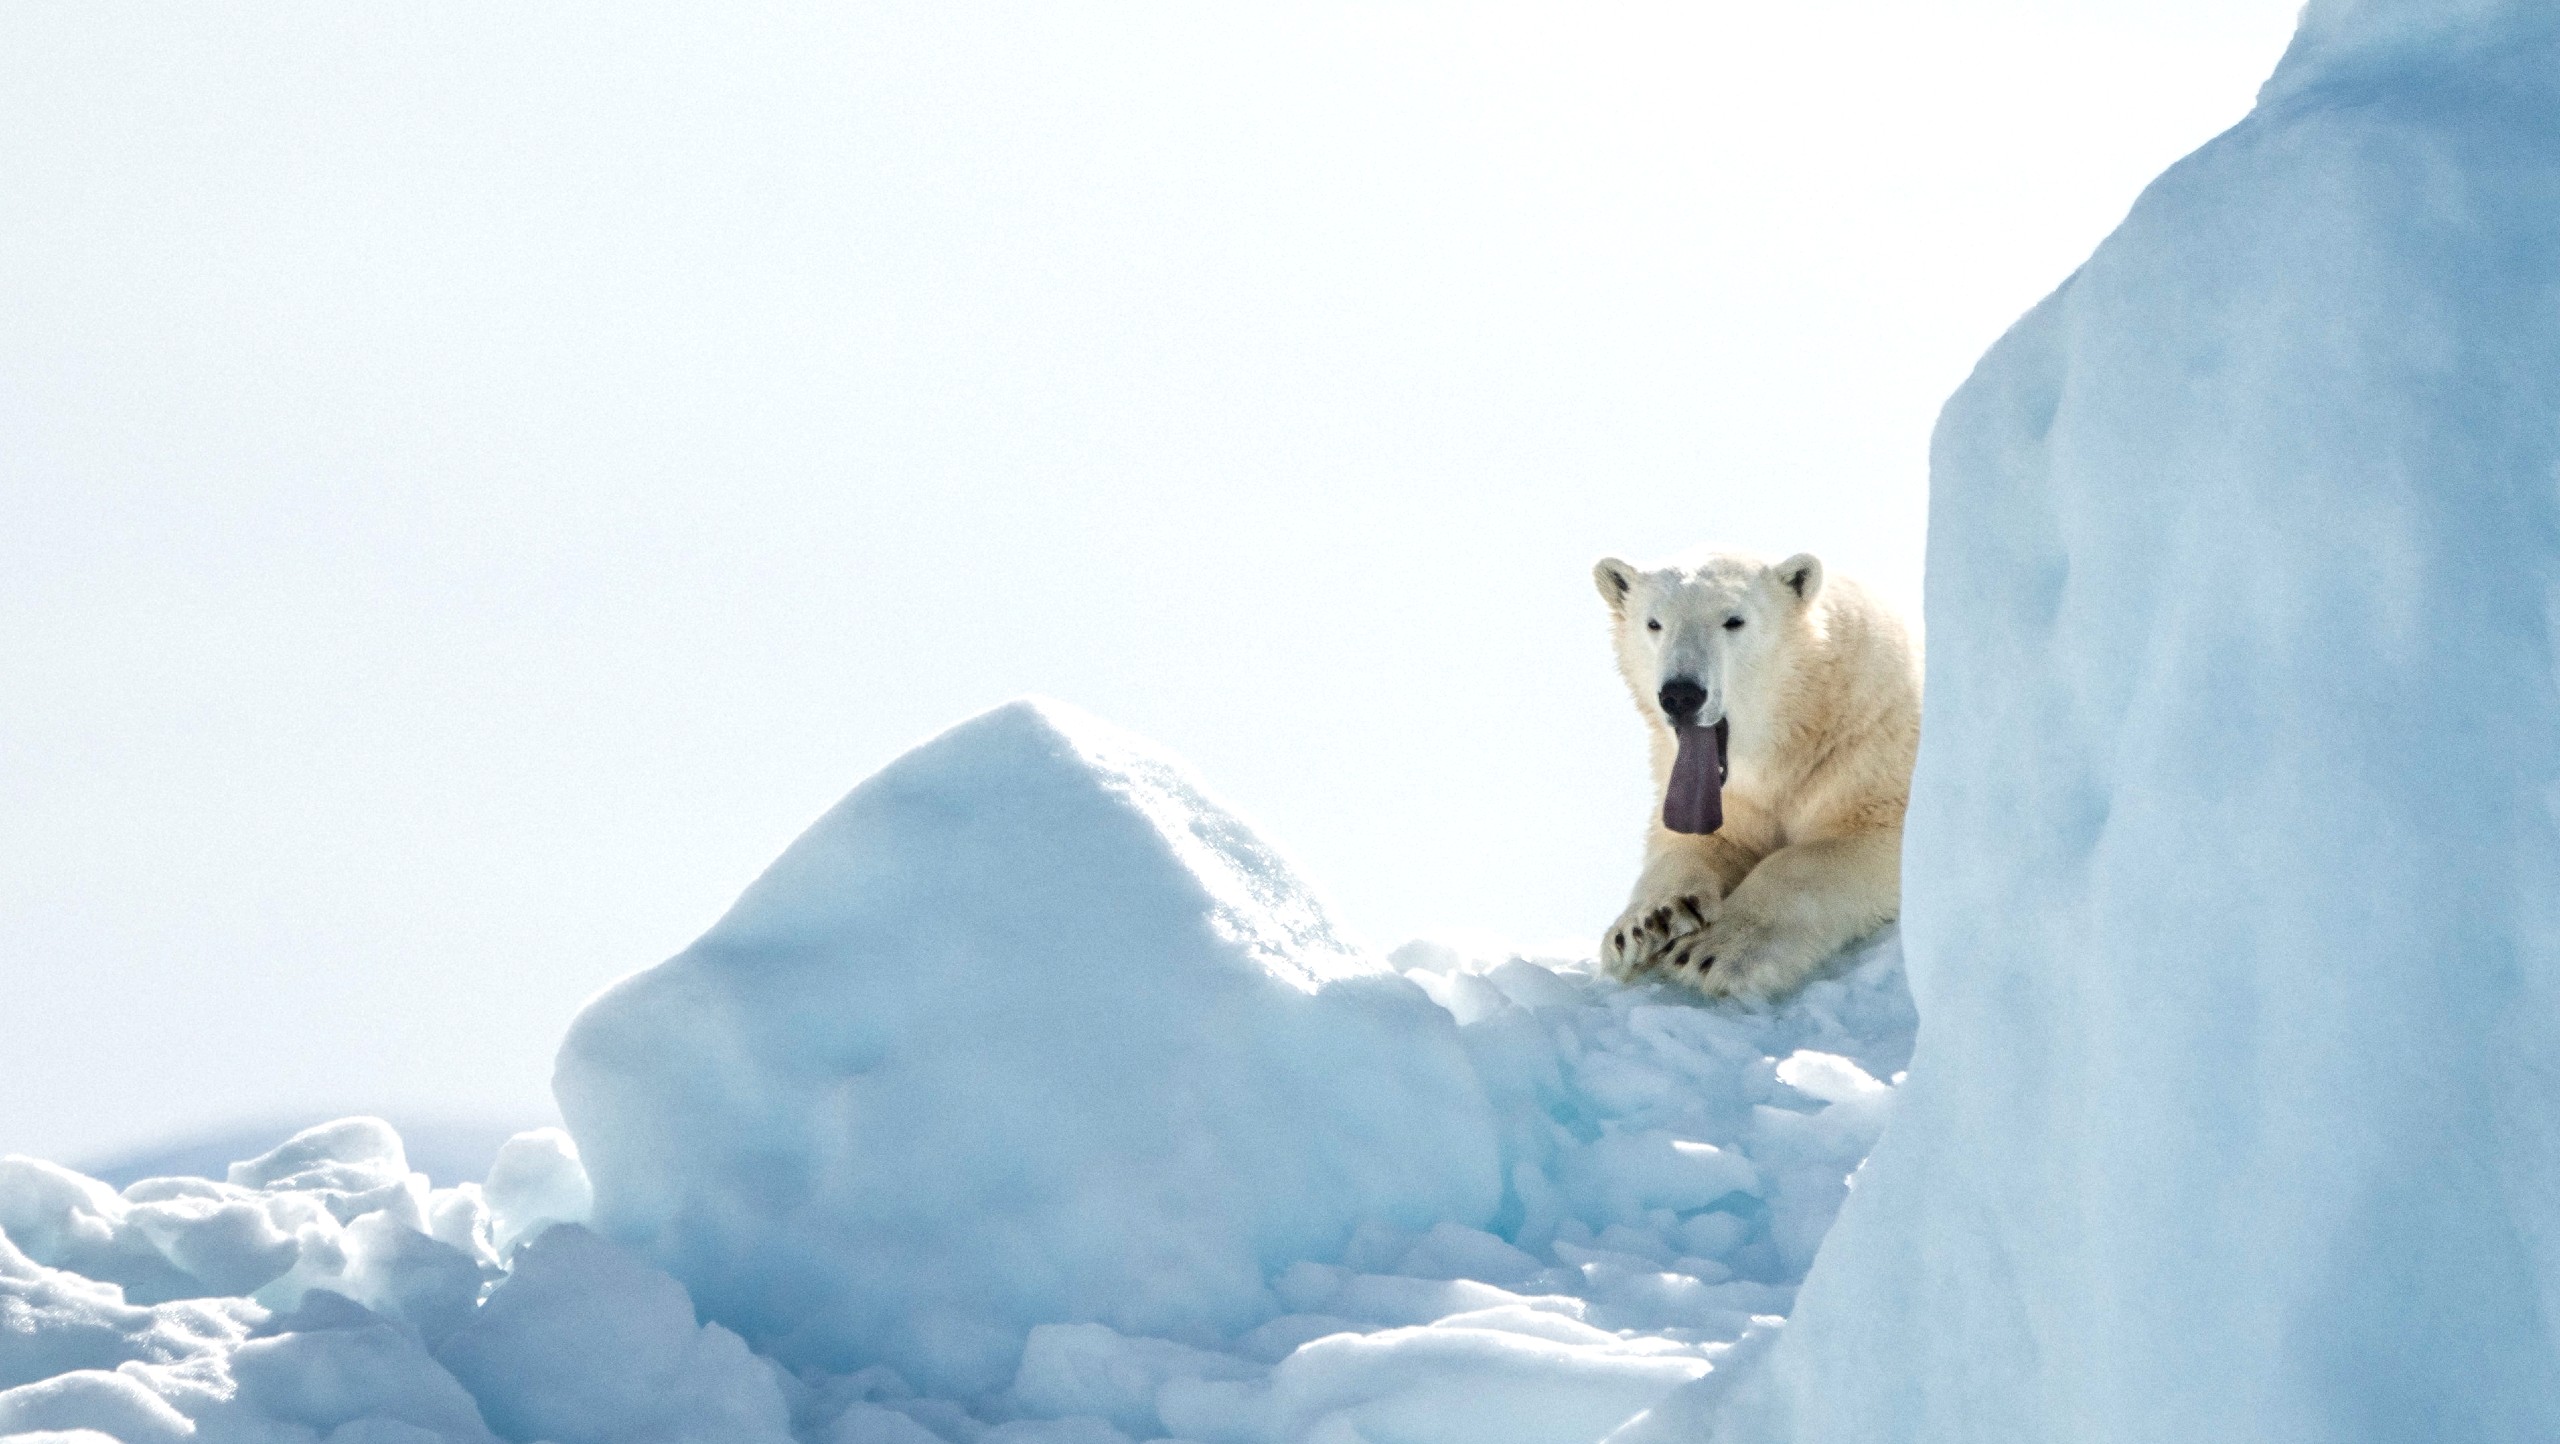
2234,884
1025,1030
1671,1168
1495,1200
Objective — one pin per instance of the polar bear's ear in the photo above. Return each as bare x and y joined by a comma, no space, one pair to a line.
1616,580
1802,575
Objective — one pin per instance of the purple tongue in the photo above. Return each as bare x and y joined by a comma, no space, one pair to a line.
1694,802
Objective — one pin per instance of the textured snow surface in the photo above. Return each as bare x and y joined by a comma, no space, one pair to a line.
1024,1029
2233,884
1027,1100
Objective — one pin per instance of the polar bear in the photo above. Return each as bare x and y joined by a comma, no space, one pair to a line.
1805,697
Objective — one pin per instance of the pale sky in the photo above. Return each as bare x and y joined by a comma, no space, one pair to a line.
475,481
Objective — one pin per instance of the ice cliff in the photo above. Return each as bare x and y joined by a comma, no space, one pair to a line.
2233,885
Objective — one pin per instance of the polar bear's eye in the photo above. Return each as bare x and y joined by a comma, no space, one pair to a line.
1651,625
1733,624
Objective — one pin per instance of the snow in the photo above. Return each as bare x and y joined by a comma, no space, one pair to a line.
1023,1030
585,1344
1029,1099
536,1179
446,1150
2230,894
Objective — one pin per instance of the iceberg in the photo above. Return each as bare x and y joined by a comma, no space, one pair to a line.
2233,873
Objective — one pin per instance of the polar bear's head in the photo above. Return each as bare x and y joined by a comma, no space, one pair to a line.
1699,642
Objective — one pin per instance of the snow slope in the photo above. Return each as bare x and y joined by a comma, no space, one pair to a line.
2234,889
1495,1199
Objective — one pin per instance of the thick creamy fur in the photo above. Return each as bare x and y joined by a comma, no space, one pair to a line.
1821,688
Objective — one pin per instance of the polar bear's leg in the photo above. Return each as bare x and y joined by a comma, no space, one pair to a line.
1682,886
1800,906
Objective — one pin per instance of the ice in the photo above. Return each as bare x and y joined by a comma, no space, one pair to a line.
334,1365
536,1181
1026,1030
54,1322
349,1160
2230,889
446,1149
872,1424
116,1406
68,1221
584,1344
1455,1251
74,1355
185,1308
1451,1381
1042,1049
1090,1371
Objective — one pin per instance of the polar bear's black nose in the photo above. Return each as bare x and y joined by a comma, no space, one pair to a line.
1681,699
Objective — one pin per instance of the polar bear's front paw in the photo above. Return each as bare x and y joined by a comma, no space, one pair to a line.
1737,956
1646,932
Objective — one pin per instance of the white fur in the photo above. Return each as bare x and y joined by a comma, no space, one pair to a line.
1820,686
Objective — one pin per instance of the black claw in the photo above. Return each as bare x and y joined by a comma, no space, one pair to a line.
1692,905
1706,962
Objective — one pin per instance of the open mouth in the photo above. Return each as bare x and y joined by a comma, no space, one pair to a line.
1694,802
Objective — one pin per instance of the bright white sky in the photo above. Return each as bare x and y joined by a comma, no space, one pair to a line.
476,481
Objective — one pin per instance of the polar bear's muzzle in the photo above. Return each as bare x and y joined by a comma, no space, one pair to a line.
1694,802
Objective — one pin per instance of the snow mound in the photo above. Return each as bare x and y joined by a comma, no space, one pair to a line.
2231,897
1025,1030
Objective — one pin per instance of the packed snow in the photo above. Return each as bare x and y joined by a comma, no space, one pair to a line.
1028,1099
2233,898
